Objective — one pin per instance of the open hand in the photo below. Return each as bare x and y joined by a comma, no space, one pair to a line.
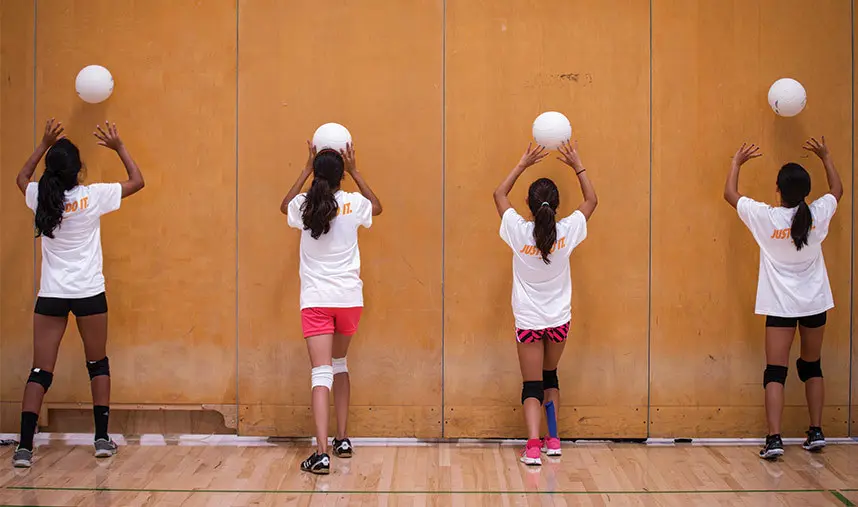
820,149
308,167
348,155
569,155
532,156
108,136
746,153
53,133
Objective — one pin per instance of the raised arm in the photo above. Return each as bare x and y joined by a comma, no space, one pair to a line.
302,178
53,132
570,157
731,188
531,156
821,150
109,138
351,168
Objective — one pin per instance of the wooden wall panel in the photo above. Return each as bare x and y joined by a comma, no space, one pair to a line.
169,253
16,221
375,67
506,63
853,426
713,63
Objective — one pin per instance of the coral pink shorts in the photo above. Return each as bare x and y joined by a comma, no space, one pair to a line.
319,321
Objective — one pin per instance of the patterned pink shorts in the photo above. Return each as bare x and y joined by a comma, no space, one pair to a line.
556,334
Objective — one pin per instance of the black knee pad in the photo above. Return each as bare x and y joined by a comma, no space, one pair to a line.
775,373
97,368
41,377
549,379
807,370
532,389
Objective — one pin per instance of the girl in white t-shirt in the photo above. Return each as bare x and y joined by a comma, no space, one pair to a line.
331,288
542,285
793,288
68,220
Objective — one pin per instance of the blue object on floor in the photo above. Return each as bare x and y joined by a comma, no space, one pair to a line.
551,418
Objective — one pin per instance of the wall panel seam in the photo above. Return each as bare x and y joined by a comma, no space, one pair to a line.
851,401
35,133
649,259
443,212
237,376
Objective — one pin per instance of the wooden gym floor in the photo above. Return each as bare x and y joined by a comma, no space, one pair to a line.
196,473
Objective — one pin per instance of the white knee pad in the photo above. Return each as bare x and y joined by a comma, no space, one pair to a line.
323,376
340,365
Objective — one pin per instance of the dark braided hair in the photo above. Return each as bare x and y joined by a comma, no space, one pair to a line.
543,198
794,186
62,165
320,206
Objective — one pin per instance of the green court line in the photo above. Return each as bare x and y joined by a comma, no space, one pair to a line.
842,498
421,492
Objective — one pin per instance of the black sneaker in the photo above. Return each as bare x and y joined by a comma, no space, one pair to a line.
317,464
104,448
774,447
23,458
342,448
815,439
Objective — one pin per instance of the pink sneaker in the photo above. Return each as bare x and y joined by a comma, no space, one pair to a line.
551,446
530,455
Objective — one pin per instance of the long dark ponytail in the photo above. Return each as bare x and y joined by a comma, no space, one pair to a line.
320,206
794,186
543,198
62,165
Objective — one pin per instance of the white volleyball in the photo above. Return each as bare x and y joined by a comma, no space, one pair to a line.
787,97
94,84
331,135
551,129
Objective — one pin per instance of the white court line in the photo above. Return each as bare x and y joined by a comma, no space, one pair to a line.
739,441
150,440
238,441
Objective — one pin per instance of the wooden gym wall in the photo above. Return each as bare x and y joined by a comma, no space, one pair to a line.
506,62
712,65
853,417
215,98
376,67
16,221
169,253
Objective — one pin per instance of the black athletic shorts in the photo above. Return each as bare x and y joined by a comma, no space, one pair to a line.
60,307
812,321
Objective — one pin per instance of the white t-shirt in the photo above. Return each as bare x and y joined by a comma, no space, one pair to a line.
71,260
792,283
330,265
541,293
